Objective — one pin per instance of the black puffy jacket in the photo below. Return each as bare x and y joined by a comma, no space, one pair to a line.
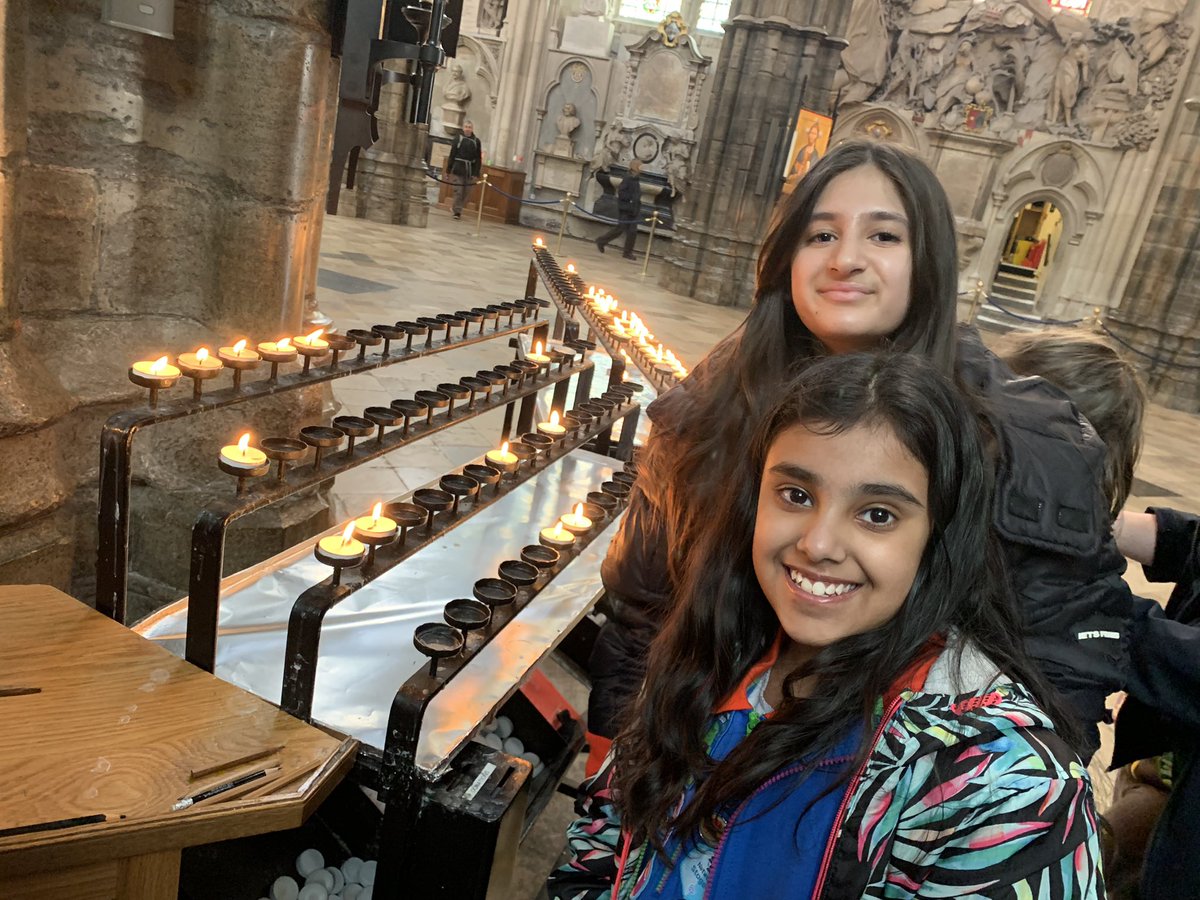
1052,519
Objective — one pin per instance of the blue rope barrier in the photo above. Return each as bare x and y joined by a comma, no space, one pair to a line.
1008,312
1153,359
609,221
429,174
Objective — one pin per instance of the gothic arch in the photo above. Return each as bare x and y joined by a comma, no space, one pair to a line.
487,67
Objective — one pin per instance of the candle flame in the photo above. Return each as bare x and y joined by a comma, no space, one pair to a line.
315,335
283,344
202,354
347,534
243,443
158,365
375,514
504,448
239,347
579,510
537,242
571,268
537,348
560,533
554,417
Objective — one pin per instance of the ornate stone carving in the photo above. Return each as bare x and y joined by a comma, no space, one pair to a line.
672,30
491,15
455,96
612,145
678,165
1005,68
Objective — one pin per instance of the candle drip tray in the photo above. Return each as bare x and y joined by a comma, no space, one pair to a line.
367,643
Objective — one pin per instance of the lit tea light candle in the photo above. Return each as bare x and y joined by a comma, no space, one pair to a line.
552,428
340,551
155,373
242,456
277,351
537,355
238,353
502,459
570,268
375,526
591,294
576,522
557,537
539,243
311,342
198,363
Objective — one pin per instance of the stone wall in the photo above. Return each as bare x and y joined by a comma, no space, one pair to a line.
777,57
157,195
1159,314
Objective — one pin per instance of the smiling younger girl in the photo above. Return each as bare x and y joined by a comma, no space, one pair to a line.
838,705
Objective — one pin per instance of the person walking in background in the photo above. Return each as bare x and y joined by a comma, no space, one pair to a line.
464,164
629,211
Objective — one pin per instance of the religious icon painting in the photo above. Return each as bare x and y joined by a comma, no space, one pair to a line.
810,141
977,117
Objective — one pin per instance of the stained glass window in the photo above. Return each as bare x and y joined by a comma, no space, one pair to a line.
651,10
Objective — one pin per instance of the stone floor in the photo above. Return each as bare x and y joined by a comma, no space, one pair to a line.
374,273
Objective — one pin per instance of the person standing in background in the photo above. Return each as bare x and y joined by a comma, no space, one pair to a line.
629,211
464,163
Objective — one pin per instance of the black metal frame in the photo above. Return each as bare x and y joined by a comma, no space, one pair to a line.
401,784
566,292
116,442
308,613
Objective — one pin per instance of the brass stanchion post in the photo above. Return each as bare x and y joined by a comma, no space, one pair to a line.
650,242
1097,320
482,196
975,301
562,226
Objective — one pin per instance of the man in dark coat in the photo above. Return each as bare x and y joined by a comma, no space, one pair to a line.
464,164
629,211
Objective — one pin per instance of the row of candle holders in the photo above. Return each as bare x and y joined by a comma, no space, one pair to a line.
393,521
537,563
243,461
201,366
626,331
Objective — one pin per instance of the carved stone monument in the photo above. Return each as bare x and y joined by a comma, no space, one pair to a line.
567,124
456,95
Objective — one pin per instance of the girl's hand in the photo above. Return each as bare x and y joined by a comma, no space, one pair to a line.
1136,535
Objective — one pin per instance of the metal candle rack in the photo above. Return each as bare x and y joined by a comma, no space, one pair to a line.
425,516
403,786
213,522
566,291
420,339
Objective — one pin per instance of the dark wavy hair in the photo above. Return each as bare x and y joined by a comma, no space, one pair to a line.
738,380
721,622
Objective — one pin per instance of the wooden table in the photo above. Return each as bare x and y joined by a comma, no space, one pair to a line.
496,206
116,730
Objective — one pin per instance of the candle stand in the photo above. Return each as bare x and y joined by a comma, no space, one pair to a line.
116,438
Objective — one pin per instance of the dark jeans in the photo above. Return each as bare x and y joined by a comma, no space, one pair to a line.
462,183
630,232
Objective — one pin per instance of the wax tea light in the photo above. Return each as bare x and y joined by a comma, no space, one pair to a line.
238,355
539,243
576,522
556,537
199,364
277,351
311,344
502,459
552,428
375,526
343,548
570,268
154,373
537,356
242,456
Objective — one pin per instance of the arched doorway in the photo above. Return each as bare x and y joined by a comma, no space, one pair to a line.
1028,254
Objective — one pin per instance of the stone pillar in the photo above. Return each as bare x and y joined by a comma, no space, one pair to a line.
391,183
1159,315
169,195
777,56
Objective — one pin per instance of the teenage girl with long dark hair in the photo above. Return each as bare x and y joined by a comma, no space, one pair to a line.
861,256
838,705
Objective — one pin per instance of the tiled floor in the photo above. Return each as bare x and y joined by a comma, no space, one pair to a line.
376,273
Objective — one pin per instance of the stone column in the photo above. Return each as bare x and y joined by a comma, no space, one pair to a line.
391,182
170,195
1159,315
777,56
